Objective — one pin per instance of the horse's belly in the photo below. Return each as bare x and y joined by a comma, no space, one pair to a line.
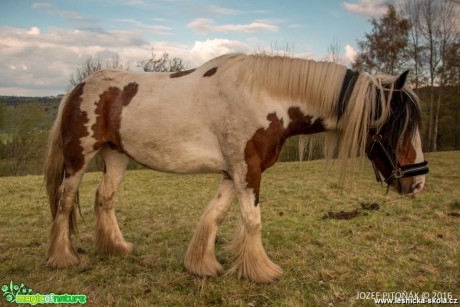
177,156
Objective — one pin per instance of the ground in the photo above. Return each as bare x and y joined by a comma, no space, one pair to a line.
407,244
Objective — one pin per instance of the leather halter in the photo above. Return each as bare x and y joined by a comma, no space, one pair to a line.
397,171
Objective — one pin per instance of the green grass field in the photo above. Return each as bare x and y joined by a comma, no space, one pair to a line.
409,244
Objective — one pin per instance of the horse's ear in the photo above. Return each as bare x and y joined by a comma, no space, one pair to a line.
399,83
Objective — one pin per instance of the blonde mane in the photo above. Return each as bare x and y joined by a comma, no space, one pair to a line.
295,79
318,85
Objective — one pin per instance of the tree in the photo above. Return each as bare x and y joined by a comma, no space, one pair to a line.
91,65
162,64
2,112
453,80
94,64
384,49
441,33
334,53
412,10
425,36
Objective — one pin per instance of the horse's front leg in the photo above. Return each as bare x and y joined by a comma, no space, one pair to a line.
251,261
200,257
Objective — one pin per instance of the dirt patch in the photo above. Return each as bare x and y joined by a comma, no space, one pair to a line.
342,215
348,215
372,206
455,205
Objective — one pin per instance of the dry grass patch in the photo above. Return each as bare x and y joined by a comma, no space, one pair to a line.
409,244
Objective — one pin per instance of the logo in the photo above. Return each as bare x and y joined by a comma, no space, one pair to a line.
21,294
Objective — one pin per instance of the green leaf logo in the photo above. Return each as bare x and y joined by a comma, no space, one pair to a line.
10,292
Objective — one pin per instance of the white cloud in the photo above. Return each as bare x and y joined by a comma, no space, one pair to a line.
37,5
156,29
350,53
203,51
41,64
36,62
34,31
133,2
206,25
367,8
222,10
346,58
74,17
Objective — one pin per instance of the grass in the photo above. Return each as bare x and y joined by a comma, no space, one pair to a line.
410,244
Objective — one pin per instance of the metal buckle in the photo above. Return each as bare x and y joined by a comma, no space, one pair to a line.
377,137
398,173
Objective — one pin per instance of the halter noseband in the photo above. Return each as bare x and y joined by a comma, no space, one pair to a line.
398,171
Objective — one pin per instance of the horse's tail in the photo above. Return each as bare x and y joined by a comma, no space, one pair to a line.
54,168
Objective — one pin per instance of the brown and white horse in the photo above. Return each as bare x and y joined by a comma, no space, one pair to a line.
230,116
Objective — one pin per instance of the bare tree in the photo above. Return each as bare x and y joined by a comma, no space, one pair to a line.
334,52
162,63
115,63
94,64
440,30
413,10
91,65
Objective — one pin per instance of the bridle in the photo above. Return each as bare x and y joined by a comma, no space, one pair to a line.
397,171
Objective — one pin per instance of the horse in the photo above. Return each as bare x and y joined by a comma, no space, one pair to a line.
230,116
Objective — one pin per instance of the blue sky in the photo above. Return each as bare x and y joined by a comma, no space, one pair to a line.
43,42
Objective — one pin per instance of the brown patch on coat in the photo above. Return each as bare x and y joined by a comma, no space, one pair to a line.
407,153
302,124
73,129
406,156
210,72
111,102
264,147
181,73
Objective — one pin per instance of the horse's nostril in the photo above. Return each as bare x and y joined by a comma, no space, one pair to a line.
417,187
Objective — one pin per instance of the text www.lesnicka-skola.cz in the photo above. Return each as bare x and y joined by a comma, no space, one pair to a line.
408,297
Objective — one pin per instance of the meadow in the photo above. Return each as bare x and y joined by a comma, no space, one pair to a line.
400,244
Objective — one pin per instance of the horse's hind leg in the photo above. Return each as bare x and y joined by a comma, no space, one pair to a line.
61,252
109,239
200,257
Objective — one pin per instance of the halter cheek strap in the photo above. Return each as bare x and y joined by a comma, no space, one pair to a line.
397,171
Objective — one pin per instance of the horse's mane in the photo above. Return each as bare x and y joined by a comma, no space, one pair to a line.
318,85
295,79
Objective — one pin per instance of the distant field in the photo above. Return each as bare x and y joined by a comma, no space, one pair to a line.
408,244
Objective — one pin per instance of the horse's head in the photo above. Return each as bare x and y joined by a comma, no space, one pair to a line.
394,146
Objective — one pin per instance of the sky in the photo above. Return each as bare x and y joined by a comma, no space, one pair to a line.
43,42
